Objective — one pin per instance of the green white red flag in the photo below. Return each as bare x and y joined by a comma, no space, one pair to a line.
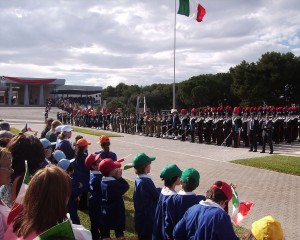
17,205
240,208
191,8
61,230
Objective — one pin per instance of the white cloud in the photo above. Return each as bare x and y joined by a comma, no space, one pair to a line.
104,43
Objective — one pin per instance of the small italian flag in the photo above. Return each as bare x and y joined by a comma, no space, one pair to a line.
61,230
17,205
240,208
191,8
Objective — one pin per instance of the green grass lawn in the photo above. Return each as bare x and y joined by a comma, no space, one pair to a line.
278,163
130,233
95,132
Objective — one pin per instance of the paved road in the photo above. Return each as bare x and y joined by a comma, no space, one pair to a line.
275,194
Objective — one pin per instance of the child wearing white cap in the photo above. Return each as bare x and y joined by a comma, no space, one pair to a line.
65,145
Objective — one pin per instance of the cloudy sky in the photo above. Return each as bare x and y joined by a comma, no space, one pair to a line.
105,42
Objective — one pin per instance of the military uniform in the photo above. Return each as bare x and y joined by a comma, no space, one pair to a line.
252,130
200,127
158,120
146,123
184,124
192,125
267,134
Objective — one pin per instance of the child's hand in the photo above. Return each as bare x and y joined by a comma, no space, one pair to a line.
233,186
80,185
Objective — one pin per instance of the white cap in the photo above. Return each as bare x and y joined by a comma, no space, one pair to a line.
58,129
173,110
66,128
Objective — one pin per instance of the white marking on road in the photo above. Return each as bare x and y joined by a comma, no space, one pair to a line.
166,150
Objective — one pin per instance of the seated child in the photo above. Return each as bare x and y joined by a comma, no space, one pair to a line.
178,204
265,228
113,188
145,197
208,220
171,175
91,162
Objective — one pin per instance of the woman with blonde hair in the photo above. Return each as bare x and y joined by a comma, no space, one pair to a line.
43,210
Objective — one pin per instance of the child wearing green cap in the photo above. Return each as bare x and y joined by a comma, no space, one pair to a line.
171,175
176,205
145,197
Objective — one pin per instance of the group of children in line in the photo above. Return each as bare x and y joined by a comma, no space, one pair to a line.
160,213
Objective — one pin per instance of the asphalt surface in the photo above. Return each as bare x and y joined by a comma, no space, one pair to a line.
273,193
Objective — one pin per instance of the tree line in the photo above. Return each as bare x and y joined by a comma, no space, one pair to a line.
273,80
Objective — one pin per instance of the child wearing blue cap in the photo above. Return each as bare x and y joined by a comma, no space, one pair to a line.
171,175
68,166
145,197
176,205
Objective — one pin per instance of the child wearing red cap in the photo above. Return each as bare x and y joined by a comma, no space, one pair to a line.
113,188
178,204
171,175
91,162
105,151
145,197
208,220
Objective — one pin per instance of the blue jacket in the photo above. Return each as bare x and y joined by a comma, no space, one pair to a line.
159,224
95,185
145,198
206,220
66,147
95,197
104,155
72,203
81,173
176,206
113,208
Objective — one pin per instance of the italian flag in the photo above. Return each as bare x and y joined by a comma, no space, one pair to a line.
191,8
61,230
17,206
240,208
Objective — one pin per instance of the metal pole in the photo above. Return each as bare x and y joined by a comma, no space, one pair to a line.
174,99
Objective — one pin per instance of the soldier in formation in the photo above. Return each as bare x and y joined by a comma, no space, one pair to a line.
231,128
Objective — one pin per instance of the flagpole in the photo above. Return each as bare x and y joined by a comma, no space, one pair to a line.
174,101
